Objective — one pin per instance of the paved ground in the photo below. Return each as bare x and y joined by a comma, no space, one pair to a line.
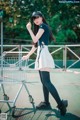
67,84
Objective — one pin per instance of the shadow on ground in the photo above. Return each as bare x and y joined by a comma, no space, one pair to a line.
51,114
68,116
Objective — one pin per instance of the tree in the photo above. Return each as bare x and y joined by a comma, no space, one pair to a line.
63,18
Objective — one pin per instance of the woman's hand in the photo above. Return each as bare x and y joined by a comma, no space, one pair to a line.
28,26
25,57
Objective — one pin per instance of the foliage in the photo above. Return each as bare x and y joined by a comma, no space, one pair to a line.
63,18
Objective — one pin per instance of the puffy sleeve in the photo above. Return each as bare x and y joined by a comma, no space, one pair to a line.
42,26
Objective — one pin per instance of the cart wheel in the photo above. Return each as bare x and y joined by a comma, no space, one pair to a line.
13,111
6,97
0,110
31,99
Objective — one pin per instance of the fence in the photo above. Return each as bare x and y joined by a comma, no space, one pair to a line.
12,54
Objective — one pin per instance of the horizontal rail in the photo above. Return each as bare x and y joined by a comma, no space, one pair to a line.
77,45
7,101
21,49
16,52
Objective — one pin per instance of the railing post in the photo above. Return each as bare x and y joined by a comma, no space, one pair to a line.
64,58
20,56
2,48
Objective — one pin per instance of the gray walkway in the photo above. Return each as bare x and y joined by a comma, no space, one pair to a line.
67,84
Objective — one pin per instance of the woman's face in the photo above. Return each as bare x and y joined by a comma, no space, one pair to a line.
38,20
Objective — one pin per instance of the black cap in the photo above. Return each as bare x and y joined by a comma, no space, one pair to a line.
36,14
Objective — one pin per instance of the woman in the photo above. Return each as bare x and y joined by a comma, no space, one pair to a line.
44,61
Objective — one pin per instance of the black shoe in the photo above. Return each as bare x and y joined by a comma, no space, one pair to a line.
62,107
43,106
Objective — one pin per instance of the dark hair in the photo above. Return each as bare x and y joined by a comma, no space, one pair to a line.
36,27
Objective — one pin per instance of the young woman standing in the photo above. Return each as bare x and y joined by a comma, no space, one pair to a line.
44,61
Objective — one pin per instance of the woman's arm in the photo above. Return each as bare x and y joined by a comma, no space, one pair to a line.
36,37
30,53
